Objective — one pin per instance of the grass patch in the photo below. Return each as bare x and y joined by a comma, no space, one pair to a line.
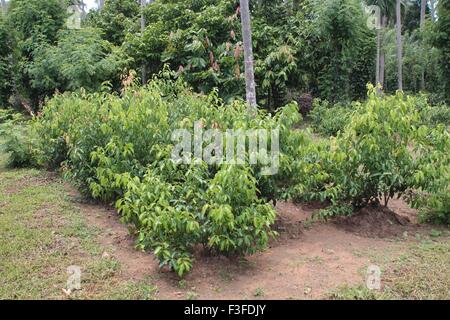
139,290
423,272
42,234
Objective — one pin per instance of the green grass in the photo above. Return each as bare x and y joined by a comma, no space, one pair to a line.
421,272
42,234
140,290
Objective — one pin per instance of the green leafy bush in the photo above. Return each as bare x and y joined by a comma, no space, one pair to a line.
384,151
7,115
435,115
177,211
434,208
17,138
328,119
118,147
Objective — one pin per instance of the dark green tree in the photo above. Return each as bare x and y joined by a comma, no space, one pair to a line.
80,59
116,18
33,23
6,71
442,42
345,49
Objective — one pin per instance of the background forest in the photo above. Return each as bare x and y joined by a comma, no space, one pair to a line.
302,49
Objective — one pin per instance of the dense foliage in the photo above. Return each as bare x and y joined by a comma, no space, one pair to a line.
290,40
32,23
116,19
323,48
328,119
119,148
6,79
442,42
385,151
80,59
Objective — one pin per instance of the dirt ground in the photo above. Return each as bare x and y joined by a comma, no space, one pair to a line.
307,261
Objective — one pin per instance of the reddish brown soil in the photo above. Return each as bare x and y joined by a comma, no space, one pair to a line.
375,222
307,261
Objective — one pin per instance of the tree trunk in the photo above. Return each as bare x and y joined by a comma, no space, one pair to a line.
101,3
399,44
4,6
377,71
382,69
423,5
248,55
142,16
144,71
83,9
433,10
382,54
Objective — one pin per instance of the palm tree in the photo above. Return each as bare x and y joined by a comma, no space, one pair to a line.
398,27
377,71
100,3
144,71
386,14
4,6
423,5
248,55
433,10
384,20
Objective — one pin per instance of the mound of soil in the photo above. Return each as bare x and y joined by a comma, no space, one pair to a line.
286,228
375,221
291,216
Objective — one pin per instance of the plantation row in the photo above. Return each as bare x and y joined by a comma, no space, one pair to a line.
328,119
117,147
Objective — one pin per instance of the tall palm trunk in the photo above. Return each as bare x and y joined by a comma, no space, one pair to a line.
377,71
248,55
382,54
399,44
83,9
144,71
4,6
423,5
433,10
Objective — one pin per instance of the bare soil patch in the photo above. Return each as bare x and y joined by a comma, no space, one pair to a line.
116,236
